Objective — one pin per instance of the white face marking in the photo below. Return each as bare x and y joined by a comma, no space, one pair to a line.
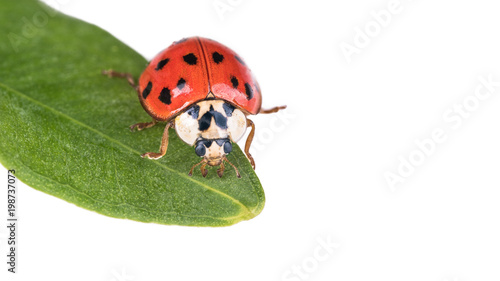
211,126
210,115
187,128
237,125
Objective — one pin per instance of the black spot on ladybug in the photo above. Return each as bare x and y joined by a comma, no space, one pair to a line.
235,82
165,96
239,60
228,108
248,91
161,64
147,90
218,58
190,59
206,120
181,83
194,111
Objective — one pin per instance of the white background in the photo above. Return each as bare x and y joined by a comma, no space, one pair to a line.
350,121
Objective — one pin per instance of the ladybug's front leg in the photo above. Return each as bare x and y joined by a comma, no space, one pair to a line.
163,146
203,164
236,169
221,169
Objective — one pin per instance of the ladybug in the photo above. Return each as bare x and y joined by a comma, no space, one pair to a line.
205,91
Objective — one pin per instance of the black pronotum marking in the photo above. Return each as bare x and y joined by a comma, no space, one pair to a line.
239,60
248,91
181,83
194,111
190,59
218,58
235,82
165,96
161,64
147,90
206,120
228,108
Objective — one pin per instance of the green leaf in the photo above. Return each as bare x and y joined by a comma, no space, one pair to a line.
64,128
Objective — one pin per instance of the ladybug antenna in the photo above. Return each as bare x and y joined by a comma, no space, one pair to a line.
236,169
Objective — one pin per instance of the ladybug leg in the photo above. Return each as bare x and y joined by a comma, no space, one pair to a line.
204,162
252,132
236,169
111,73
249,142
204,171
220,171
142,126
272,110
163,146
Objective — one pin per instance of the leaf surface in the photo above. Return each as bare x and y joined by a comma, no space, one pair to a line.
64,128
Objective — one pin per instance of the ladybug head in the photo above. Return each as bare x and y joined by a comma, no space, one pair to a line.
214,153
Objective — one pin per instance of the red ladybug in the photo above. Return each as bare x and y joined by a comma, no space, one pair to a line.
205,91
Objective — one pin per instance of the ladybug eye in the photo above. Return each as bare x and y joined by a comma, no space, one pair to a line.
228,147
200,149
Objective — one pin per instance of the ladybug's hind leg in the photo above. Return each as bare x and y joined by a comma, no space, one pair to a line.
272,110
163,146
130,79
142,126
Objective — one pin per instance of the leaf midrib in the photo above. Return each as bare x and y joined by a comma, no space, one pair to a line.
244,208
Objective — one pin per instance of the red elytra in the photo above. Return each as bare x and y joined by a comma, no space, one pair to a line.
199,81
188,71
